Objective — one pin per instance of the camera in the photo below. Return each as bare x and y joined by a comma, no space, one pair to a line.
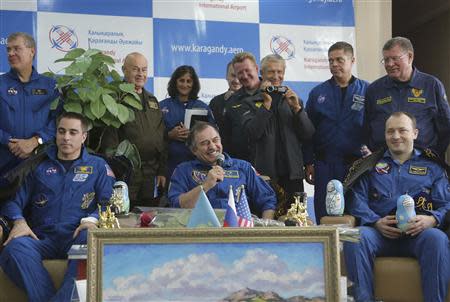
276,89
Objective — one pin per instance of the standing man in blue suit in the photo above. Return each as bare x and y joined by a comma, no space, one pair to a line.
405,88
53,209
26,120
336,108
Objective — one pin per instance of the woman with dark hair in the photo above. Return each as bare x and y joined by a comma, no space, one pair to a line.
183,89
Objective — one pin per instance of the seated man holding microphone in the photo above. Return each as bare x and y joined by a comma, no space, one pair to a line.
214,172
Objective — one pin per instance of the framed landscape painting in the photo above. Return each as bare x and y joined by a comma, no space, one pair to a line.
223,264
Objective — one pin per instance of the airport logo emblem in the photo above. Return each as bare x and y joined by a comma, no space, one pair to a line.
282,46
63,38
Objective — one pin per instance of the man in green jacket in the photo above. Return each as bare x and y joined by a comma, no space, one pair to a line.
146,132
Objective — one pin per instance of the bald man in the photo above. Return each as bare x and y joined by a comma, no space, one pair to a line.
146,132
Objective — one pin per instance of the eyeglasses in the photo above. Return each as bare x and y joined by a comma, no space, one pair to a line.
395,59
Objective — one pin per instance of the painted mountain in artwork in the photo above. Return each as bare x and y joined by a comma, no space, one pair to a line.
251,295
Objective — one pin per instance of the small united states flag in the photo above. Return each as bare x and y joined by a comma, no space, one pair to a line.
242,209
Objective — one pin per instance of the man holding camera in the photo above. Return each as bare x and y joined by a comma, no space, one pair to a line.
276,125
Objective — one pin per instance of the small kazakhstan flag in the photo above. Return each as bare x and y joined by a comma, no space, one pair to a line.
203,214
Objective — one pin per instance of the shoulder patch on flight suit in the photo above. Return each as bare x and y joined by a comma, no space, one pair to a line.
199,176
12,91
83,170
384,100
321,99
41,201
418,170
87,199
231,174
152,104
39,91
382,167
358,102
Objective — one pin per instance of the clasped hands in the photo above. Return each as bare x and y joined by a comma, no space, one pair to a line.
388,226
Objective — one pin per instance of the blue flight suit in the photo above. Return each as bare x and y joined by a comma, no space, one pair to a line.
238,172
374,197
423,96
25,112
53,200
173,113
338,120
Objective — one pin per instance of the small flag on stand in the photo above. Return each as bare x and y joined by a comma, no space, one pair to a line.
231,219
203,214
245,218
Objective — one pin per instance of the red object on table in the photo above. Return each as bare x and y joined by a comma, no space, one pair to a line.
81,269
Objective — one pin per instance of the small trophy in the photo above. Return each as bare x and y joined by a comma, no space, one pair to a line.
107,219
119,200
405,211
297,215
334,200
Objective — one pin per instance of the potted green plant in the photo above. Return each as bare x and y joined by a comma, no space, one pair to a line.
91,86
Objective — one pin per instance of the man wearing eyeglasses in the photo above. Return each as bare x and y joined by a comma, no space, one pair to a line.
405,88
26,118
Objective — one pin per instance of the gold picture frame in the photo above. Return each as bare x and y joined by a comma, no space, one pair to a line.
212,264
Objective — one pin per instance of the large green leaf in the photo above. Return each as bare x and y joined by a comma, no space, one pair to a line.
65,60
131,116
129,100
116,76
83,63
88,113
91,51
110,104
75,53
73,107
98,109
124,113
54,104
127,87
106,59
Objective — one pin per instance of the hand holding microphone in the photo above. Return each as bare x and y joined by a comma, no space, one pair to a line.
216,174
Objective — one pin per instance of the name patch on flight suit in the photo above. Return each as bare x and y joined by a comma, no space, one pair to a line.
418,170
38,91
83,170
384,101
87,199
231,174
417,100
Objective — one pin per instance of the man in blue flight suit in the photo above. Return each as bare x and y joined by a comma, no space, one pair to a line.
26,119
336,108
373,200
215,178
405,88
59,202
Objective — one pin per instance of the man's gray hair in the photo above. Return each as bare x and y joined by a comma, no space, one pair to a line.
198,127
29,40
272,58
404,43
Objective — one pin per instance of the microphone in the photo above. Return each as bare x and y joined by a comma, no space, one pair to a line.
220,159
